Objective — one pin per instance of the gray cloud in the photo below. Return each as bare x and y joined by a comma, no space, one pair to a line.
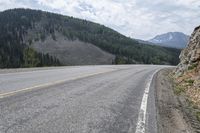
135,18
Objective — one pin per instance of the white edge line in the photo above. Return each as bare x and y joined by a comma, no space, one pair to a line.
141,122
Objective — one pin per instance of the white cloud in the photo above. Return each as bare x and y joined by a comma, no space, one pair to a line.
136,18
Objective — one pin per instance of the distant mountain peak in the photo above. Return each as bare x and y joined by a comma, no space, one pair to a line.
171,39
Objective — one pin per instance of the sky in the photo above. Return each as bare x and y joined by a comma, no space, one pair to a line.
141,19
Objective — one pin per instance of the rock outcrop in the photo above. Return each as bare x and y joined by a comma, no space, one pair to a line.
190,56
187,73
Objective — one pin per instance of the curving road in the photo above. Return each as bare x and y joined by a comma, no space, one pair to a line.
82,99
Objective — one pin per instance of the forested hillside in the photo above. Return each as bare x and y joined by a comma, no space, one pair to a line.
20,28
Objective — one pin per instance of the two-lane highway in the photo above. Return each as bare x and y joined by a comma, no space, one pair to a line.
83,99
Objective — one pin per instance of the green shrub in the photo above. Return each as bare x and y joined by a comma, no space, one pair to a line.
198,116
190,82
192,66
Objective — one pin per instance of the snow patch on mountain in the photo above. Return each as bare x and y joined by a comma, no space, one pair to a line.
171,39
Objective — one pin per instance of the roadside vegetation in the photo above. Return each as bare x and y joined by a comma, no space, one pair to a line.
185,88
188,84
178,89
198,115
173,108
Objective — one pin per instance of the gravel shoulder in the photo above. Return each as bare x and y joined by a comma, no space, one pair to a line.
171,109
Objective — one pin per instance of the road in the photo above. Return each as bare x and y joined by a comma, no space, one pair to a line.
82,99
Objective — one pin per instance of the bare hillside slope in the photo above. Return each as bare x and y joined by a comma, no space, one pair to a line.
73,52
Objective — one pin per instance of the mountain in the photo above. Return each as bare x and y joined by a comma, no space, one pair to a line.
32,38
171,39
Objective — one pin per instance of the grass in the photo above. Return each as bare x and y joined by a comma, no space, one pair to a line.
190,82
192,66
178,89
198,116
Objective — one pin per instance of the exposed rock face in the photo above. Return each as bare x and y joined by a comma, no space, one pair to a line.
187,73
190,56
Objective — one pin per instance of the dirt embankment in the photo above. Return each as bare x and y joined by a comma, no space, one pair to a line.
175,112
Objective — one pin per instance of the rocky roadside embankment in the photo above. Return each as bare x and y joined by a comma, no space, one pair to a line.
178,92
187,73
170,107
187,79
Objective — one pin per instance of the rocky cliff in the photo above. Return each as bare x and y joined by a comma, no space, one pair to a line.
187,73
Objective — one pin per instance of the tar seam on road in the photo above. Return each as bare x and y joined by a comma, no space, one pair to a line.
141,123
3,95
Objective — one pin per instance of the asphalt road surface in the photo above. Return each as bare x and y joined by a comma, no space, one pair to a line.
82,99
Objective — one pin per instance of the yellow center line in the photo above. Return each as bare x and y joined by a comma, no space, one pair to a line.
3,95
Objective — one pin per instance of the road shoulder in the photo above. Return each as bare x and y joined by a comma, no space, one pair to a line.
171,117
